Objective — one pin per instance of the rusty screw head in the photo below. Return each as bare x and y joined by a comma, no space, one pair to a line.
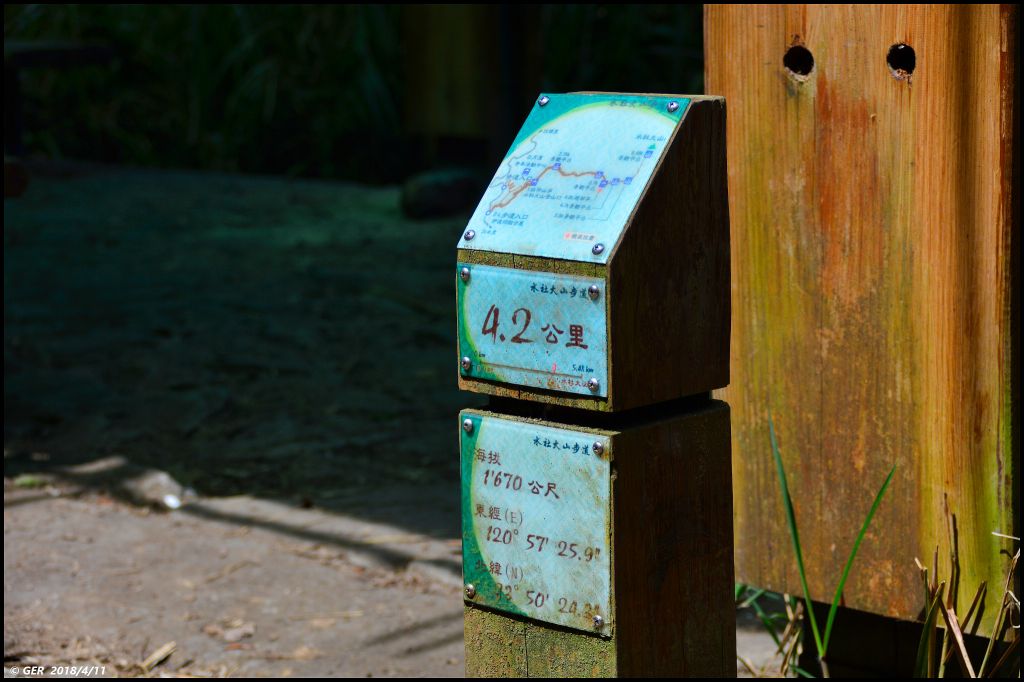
594,385
598,249
464,274
467,425
470,590
673,107
543,100
594,292
466,363
598,448
469,235
598,622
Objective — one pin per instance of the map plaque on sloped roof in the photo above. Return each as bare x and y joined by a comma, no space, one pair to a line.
570,182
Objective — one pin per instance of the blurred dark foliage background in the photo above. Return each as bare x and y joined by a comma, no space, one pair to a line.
372,93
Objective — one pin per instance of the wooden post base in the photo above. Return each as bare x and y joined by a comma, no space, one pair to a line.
672,611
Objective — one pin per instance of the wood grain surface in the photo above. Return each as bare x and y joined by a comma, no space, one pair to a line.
873,307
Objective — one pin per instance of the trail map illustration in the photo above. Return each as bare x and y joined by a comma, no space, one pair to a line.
573,175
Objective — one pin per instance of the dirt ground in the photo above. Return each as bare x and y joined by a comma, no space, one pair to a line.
284,352
242,587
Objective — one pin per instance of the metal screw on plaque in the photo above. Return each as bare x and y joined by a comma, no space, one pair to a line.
469,235
598,622
470,590
467,425
543,100
594,292
673,107
598,448
598,249
464,274
593,385
466,363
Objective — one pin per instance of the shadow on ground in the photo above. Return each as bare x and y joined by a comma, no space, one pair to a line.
291,340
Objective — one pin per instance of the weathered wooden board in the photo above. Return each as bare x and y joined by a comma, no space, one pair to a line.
874,313
666,276
671,558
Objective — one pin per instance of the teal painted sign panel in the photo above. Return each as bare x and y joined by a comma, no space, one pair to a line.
535,329
573,175
536,521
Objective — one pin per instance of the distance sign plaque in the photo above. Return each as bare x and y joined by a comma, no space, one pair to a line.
535,329
536,521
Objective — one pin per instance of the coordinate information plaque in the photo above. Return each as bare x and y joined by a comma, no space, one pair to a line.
536,521
574,174
535,329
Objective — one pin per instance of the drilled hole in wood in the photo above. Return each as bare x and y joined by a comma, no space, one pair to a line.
799,62
902,60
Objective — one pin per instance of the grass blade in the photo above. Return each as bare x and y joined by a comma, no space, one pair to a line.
853,555
766,622
1005,658
998,629
982,590
752,597
748,666
926,645
960,649
794,535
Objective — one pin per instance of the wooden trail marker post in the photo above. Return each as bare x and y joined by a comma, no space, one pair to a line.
593,306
